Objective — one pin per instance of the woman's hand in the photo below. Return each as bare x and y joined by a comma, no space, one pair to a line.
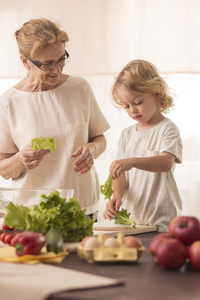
12,165
85,159
119,166
87,153
31,159
110,211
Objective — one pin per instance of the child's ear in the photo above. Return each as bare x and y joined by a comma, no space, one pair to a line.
157,96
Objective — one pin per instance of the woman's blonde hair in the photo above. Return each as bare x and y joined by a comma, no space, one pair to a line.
142,77
37,34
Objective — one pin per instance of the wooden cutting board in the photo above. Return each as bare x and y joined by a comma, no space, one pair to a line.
109,228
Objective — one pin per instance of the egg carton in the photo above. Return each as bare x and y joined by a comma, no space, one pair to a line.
110,255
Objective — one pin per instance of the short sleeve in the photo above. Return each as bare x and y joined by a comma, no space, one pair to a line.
121,145
97,122
7,144
171,142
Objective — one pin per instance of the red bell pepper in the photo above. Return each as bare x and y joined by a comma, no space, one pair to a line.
11,242
28,242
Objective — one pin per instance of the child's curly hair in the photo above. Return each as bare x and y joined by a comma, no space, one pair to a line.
142,77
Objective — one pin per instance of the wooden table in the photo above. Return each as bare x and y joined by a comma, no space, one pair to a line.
142,281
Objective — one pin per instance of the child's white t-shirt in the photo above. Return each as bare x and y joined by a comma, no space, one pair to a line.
151,198
69,114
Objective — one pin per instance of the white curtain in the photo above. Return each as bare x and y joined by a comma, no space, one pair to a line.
104,36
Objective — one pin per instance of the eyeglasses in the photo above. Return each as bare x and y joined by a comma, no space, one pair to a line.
46,67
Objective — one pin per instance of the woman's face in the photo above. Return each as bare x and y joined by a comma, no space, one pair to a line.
51,77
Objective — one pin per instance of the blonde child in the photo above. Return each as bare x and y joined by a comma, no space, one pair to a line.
143,181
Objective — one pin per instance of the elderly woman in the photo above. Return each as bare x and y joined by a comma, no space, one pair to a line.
48,103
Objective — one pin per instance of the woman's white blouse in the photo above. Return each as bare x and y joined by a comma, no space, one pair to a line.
69,114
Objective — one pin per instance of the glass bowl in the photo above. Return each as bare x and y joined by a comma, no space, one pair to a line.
27,197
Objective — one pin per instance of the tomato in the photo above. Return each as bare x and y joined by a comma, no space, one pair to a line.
6,227
8,238
2,236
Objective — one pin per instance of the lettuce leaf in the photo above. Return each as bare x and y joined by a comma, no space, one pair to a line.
106,188
121,217
41,143
52,212
16,214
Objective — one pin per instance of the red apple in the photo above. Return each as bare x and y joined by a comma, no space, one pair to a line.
161,237
187,248
173,225
185,228
194,254
171,254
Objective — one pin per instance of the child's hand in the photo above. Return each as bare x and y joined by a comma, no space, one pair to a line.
118,167
110,212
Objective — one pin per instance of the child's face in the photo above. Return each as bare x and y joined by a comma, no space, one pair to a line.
141,108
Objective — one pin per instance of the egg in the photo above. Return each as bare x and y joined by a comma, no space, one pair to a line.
92,243
107,237
85,239
132,242
111,242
